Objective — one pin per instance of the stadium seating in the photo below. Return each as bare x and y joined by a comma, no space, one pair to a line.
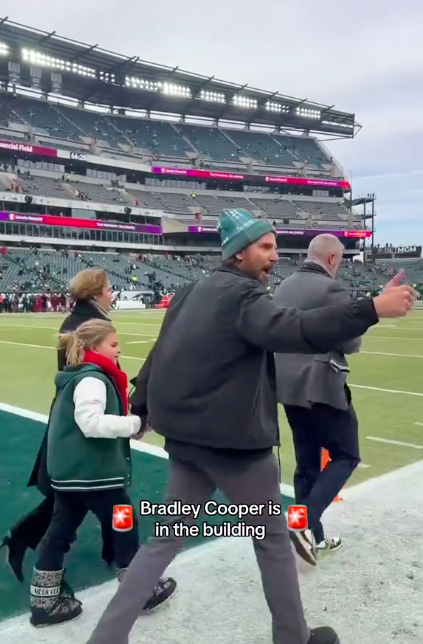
159,138
185,204
46,269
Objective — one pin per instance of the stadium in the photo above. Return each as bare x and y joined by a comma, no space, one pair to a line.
126,165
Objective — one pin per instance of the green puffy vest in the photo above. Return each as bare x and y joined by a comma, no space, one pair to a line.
76,463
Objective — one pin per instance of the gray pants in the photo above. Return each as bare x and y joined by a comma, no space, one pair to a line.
252,483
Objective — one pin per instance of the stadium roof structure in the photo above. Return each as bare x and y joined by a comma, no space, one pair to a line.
87,73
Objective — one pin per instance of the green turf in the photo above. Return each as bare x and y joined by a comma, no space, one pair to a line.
26,377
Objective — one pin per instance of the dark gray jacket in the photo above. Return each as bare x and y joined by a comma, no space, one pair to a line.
212,375
303,380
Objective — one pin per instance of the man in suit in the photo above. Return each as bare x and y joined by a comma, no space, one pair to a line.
314,391
210,391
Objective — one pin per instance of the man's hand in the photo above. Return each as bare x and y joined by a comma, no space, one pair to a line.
395,302
396,280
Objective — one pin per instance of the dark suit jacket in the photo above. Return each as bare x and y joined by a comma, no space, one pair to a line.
304,380
83,311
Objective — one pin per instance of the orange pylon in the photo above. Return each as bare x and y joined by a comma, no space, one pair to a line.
325,461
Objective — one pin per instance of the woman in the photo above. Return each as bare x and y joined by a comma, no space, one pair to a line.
90,417
91,292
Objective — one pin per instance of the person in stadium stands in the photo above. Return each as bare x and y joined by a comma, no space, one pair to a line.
211,393
90,416
90,289
314,391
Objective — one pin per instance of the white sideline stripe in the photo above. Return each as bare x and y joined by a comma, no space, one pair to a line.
387,391
154,450
420,424
392,442
143,342
382,353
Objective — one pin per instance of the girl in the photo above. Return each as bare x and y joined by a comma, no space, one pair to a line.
89,465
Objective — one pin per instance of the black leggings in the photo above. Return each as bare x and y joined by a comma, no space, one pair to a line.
70,509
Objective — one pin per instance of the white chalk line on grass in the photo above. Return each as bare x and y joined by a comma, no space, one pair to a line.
390,337
394,355
53,328
387,391
147,448
381,389
41,346
388,441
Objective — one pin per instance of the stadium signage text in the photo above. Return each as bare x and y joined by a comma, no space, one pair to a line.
27,148
229,176
71,222
357,234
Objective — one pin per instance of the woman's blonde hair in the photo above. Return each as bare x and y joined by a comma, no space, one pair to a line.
88,284
87,337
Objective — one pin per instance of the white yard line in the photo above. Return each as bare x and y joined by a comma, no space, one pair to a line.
393,442
391,337
41,346
396,355
387,391
53,328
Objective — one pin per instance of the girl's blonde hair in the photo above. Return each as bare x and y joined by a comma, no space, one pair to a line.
87,337
88,284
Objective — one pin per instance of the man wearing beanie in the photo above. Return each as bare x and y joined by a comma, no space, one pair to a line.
210,392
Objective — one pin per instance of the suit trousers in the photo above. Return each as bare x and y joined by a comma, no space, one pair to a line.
255,482
322,427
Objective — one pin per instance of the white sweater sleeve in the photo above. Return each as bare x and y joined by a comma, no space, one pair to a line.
90,404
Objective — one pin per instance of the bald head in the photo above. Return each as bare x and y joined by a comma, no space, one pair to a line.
326,250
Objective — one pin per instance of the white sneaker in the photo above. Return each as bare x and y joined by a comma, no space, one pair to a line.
329,544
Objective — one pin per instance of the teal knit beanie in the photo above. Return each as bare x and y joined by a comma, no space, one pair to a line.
238,229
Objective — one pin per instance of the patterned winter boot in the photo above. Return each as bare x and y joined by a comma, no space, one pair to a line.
161,594
52,600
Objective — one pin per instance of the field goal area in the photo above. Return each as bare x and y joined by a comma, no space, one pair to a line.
369,591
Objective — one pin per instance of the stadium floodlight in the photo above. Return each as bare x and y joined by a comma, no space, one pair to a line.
4,49
179,91
212,97
245,101
41,60
348,126
107,77
277,107
306,113
139,83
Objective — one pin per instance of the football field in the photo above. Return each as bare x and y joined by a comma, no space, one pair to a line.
386,380
383,566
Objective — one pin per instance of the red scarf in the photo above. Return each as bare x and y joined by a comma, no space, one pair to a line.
110,369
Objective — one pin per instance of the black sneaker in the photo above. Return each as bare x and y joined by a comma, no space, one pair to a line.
305,545
323,635
15,553
162,593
